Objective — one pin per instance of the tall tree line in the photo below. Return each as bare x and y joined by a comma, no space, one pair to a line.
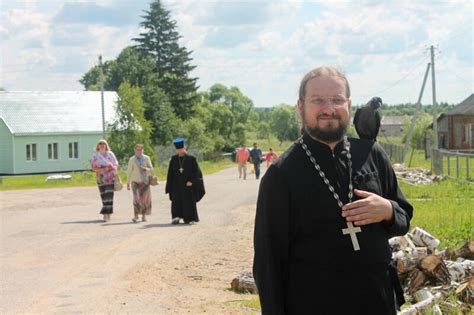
159,69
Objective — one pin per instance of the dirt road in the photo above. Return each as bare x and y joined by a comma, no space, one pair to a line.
57,256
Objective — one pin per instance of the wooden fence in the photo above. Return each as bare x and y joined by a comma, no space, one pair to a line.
394,151
453,164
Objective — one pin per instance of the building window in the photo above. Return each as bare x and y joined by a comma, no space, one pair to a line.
74,150
467,134
53,151
31,152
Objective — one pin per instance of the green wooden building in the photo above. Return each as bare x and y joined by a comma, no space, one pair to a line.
49,132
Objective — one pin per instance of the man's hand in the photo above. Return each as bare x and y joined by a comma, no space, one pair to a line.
128,186
372,208
189,184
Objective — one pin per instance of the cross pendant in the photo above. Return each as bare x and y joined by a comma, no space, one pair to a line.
352,231
181,170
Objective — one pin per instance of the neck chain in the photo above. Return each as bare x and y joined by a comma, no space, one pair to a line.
181,163
351,230
347,146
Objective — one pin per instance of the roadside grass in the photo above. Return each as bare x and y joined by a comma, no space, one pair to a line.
456,167
251,307
265,144
459,167
445,209
87,178
416,158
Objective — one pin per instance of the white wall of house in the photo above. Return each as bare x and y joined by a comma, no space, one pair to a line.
45,160
6,153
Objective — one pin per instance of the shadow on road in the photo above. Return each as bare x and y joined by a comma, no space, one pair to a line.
163,225
84,222
119,223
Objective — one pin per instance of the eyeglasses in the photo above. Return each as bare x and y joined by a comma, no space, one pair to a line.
101,143
336,101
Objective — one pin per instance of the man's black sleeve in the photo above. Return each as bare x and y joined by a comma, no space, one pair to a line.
271,241
402,209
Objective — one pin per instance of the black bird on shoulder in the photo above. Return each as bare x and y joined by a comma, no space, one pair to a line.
367,119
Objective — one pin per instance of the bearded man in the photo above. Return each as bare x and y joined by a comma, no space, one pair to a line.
325,211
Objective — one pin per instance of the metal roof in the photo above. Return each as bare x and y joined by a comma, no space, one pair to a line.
32,112
393,120
466,107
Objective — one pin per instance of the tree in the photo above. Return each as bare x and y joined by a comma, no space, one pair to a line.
130,126
195,132
264,131
230,111
218,119
128,66
138,71
159,112
159,40
252,121
419,130
284,123
91,79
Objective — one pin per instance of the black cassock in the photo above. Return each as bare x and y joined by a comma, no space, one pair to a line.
184,198
303,264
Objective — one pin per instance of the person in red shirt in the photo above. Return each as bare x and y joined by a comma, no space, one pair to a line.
270,157
241,158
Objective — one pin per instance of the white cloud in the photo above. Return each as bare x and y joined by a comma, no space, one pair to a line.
268,40
264,52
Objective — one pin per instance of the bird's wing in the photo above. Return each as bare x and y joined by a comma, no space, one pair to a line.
356,120
378,119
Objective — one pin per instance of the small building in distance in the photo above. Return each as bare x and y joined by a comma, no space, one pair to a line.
50,131
456,127
392,126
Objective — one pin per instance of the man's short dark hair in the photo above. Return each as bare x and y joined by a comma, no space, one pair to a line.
319,72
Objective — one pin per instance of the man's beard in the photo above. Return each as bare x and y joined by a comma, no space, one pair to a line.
329,133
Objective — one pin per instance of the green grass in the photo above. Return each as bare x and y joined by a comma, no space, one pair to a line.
265,144
457,167
87,178
417,159
39,181
251,306
444,209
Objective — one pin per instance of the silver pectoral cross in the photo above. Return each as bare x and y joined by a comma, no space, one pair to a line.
181,170
352,231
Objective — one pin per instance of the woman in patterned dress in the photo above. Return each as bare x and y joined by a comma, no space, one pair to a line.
105,165
138,172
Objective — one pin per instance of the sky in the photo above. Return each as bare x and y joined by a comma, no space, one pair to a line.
262,47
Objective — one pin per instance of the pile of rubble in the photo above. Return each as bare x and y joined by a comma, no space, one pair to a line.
244,283
416,175
434,281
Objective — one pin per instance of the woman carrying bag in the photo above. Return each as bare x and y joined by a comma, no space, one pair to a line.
139,176
105,165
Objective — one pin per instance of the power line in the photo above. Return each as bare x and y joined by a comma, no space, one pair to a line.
398,81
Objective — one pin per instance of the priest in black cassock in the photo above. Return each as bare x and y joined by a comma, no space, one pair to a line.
184,185
325,211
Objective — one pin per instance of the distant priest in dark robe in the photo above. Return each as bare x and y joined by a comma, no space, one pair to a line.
184,185
325,211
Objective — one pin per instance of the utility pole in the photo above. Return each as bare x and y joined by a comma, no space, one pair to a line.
435,106
417,110
101,78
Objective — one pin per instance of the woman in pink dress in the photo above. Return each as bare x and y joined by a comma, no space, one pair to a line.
270,157
105,165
